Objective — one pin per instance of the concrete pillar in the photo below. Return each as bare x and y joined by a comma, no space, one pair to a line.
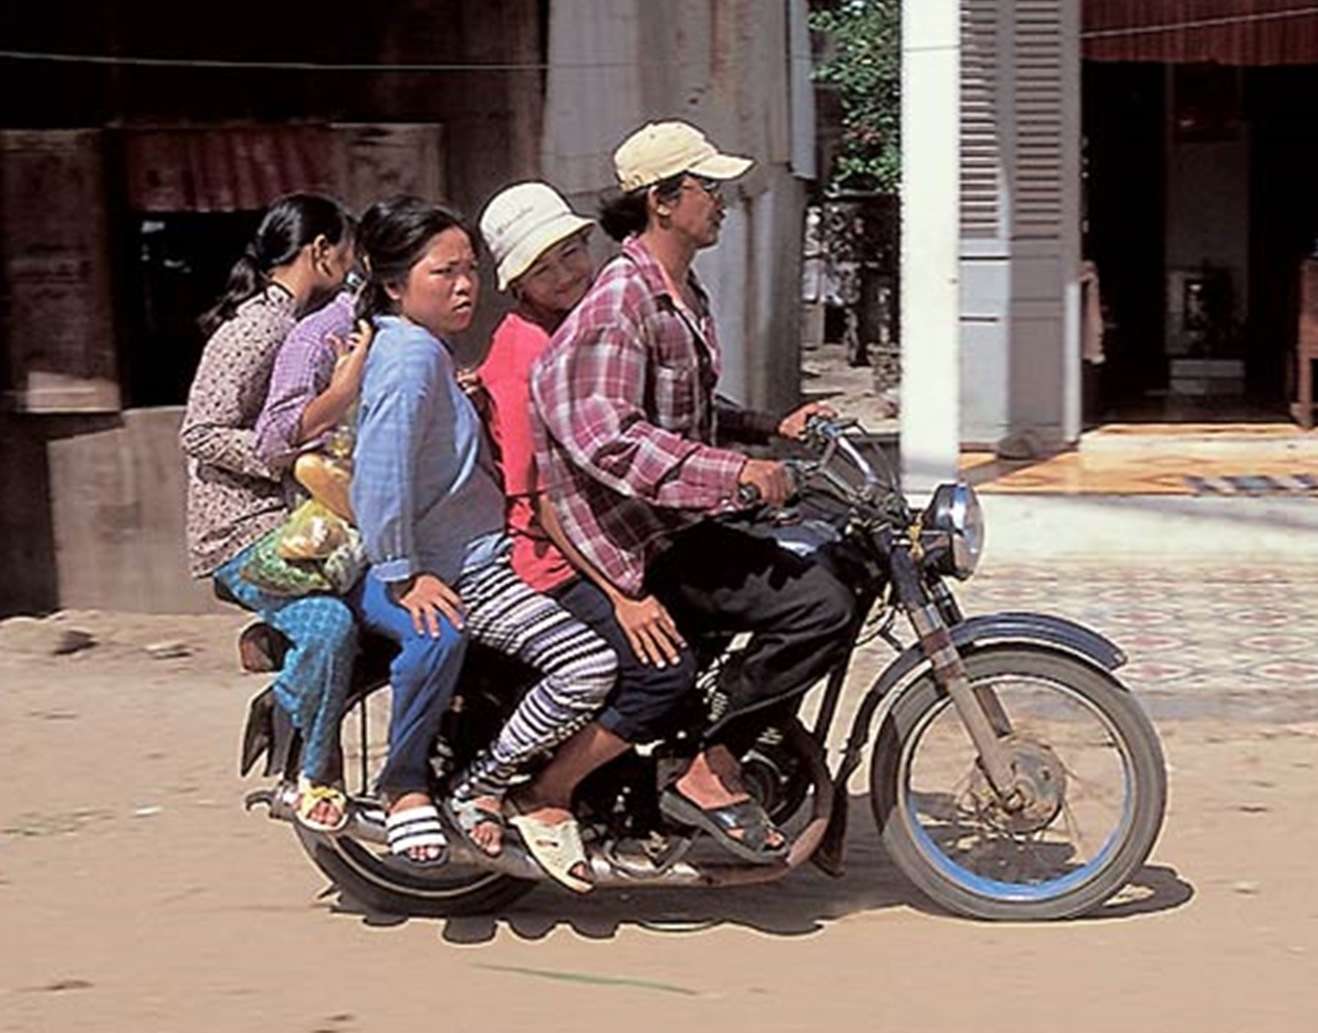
931,389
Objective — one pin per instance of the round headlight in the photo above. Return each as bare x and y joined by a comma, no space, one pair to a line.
955,511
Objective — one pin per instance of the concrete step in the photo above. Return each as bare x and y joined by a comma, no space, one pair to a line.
1273,531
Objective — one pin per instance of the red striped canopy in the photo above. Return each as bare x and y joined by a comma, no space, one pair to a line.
1228,32
225,168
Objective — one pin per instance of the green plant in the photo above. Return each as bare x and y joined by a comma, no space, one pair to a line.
864,64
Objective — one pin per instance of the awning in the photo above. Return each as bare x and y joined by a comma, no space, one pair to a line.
225,169
1228,32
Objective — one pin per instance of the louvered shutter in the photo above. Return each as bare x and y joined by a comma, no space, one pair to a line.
981,152
1019,218
1039,122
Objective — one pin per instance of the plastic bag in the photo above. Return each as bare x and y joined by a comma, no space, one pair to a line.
312,532
327,480
337,572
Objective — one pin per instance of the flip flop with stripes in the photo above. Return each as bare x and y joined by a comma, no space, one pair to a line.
416,828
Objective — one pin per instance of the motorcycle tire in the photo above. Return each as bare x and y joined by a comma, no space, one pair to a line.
366,875
938,874
390,887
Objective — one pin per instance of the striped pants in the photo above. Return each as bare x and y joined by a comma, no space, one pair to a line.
578,670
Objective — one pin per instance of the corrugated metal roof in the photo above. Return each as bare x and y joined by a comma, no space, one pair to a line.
1229,32
225,169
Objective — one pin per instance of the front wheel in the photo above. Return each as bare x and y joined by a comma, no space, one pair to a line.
1082,744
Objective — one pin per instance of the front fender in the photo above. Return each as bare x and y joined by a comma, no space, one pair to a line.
991,629
1042,629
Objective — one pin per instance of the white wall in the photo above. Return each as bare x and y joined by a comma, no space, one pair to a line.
930,395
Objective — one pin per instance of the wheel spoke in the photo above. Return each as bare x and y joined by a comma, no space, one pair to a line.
1065,746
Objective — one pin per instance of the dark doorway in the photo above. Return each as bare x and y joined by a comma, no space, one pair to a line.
1284,217
1147,130
1124,175
178,269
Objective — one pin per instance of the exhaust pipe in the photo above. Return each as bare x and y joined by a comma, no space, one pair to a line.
366,824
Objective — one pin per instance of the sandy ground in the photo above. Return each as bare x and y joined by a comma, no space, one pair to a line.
137,896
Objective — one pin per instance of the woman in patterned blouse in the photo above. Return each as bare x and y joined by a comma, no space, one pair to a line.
300,254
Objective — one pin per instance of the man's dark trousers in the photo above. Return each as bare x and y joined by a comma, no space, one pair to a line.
720,577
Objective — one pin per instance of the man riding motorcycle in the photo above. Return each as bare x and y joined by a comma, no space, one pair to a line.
626,425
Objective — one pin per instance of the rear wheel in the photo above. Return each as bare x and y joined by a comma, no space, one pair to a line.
359,863
1088,756
366,873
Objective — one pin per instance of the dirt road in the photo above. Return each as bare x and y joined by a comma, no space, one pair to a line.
135,895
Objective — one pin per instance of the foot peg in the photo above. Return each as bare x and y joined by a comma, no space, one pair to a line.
259,798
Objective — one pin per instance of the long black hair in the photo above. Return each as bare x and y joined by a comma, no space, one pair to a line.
289,224
625,215
393,236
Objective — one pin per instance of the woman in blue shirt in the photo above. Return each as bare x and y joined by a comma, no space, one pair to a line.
430,509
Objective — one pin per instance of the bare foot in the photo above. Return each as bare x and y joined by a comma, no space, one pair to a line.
324,812
320,806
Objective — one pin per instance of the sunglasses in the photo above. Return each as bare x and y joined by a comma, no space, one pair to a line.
713,187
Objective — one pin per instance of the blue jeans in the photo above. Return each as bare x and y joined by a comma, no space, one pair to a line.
313,684
422,676
647,703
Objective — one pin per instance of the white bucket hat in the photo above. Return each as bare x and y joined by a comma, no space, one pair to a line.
662,149
521,223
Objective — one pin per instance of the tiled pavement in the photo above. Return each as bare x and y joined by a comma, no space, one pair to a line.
1230,642
1196,590
1212,625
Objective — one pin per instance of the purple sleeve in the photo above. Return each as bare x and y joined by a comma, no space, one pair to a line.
302,371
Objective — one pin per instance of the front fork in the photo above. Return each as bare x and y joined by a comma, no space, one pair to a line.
979,708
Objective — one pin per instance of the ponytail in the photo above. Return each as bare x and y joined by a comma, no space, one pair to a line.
246,278
289,225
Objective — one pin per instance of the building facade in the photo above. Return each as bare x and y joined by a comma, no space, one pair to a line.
1153,152
136,155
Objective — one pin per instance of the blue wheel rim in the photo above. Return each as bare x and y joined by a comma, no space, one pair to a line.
997,889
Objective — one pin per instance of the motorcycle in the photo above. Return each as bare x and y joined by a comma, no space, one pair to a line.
1012,776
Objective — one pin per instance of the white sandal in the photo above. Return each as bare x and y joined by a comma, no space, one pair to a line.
416,828
556,848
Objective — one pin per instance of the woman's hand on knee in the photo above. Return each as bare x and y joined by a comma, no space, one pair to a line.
425,597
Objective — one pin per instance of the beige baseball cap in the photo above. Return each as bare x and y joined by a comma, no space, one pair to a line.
662,149
521,223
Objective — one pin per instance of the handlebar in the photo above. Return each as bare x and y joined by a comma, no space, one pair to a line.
748,495
832,439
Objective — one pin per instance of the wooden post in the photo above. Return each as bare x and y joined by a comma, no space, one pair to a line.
58,325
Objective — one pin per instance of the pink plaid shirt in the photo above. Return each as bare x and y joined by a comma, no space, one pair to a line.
624,396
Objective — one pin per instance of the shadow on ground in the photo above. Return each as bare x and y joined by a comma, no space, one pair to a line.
803,902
